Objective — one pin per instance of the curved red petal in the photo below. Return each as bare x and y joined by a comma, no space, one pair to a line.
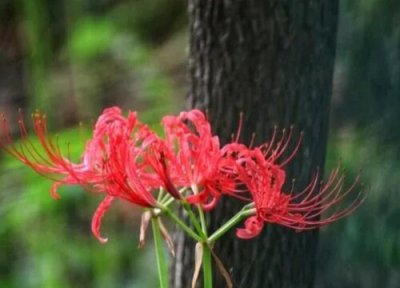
53,190
252,228
98,216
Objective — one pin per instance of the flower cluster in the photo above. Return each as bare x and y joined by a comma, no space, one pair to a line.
125,159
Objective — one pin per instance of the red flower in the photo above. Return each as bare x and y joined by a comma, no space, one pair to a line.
194,158
306,210
121,150
115,153
111,163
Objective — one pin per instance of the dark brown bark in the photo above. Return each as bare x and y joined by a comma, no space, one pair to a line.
272,60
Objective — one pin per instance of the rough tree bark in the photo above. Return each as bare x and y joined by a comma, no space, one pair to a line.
273,60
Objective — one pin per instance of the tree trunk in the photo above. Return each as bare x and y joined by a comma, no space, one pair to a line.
272,60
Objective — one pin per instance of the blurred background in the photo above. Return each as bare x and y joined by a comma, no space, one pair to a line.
73,58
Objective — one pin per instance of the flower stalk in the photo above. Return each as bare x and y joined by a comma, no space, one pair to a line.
207,266
207,263
193,219
160,254
181,224
230,223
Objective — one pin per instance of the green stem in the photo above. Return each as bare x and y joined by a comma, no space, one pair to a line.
194,220
160,255
201,212
207,266
181,224
167,199
161,194
232,222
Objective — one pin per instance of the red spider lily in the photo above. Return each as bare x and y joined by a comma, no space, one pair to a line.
260,178
194,157
303,211
116,148
133,159
111,163
269,155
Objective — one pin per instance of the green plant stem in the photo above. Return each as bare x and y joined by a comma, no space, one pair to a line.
207,266
160,255
168,202
167,199
193,219
201,212
161,194
232,222
181,224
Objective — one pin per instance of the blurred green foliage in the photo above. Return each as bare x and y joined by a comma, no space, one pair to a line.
79,57
364,250
95,55
36,63
155,21
90,38
369,70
